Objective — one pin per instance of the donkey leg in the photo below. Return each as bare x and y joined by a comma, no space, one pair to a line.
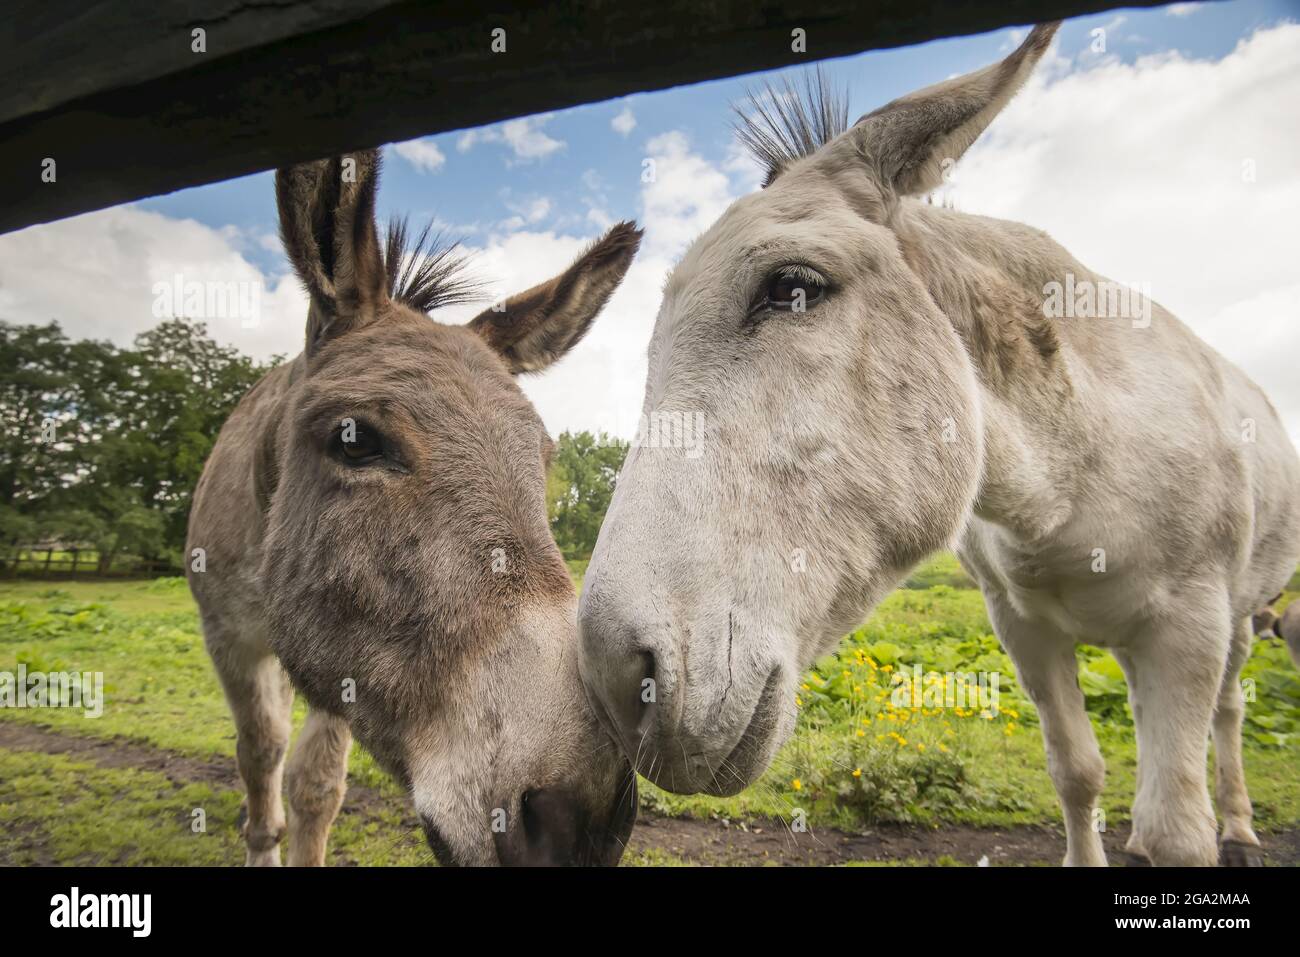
1178,671
260,698
1137,855
317,779
1049,672
1239,846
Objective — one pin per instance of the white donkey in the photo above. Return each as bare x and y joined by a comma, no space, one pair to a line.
878,378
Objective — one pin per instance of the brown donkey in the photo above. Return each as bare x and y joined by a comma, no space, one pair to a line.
372,522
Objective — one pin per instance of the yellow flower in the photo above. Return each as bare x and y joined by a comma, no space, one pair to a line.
920,747
798,702
943,747
861,733
797,784
805,687
857,772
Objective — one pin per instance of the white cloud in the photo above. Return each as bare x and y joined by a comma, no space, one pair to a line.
524,137
424,155
1140,171
684,197
1182,9
527,212
623,123
598,386
96,274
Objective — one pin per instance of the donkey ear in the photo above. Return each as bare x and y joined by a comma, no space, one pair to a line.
912,140
327,223
537,327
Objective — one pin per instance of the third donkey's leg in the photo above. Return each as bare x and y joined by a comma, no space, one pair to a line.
1239,845
1049,673
317,781
260,699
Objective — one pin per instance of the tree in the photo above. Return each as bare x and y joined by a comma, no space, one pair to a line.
103,446
584,469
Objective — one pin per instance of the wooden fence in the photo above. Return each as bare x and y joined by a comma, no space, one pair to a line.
37,561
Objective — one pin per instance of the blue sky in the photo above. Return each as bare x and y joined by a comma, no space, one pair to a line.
481,187
1133,158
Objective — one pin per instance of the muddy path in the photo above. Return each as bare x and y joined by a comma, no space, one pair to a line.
708,842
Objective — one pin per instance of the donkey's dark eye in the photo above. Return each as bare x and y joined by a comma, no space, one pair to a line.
359,445
794,289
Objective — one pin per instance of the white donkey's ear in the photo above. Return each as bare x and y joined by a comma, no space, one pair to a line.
535,328
327,223
911,141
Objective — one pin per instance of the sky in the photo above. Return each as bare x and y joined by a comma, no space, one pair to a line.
1171,157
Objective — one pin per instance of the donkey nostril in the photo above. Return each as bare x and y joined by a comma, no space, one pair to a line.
530,813
551,825
647,692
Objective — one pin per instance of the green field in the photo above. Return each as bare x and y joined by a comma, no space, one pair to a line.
857,760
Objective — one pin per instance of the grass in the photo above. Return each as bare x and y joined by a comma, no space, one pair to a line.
974,765
84,814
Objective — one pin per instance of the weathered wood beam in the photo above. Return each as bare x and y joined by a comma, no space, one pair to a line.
116,96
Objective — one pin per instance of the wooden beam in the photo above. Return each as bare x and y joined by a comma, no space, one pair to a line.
115,94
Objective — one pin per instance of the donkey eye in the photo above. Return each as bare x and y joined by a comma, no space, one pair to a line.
359,445
794,288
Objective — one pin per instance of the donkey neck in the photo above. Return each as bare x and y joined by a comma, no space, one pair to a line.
986,276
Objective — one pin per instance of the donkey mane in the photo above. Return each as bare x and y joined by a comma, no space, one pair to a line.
783,125
426,272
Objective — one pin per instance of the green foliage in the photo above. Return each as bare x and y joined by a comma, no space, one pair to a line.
579,487
101,446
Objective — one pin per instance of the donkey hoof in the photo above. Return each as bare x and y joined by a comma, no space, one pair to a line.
1134,859
1240,854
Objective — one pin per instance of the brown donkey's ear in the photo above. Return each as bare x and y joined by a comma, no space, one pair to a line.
537,327
327,223
913,140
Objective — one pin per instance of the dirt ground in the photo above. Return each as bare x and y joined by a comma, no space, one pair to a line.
708,842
